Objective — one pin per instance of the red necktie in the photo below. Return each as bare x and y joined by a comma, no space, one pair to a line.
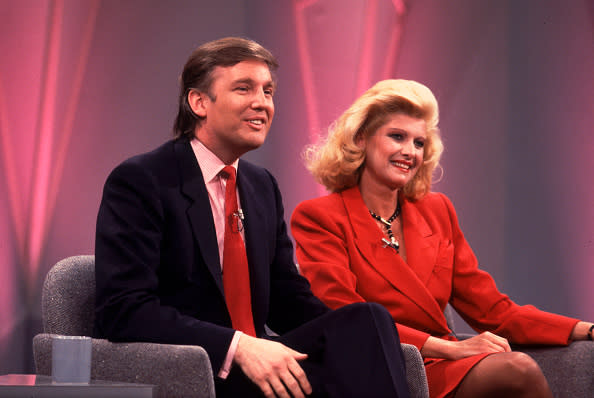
236,275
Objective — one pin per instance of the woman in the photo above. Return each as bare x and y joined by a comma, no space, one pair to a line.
383,237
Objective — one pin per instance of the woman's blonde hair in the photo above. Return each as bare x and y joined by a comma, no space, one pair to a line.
337,162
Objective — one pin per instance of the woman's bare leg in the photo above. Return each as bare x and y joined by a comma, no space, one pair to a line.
507,374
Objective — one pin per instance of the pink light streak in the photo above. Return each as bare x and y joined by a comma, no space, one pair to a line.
365,73
367,57
311,105
394,46
73,102
10,169
32,207
400,6
37,214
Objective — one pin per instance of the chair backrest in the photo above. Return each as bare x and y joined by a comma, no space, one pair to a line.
68,297
449,315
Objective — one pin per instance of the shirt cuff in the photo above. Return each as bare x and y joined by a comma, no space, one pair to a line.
226,368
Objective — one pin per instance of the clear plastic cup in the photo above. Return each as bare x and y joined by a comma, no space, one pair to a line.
71,359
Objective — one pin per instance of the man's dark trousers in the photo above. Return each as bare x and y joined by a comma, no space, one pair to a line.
352,352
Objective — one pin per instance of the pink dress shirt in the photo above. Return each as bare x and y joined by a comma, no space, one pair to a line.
211,167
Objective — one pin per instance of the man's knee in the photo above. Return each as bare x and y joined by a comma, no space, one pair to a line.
372,311
369,317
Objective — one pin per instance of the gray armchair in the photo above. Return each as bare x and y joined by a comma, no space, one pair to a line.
567,369
67,308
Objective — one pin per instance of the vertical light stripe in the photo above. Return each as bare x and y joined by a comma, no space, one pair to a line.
366,57
32,206
311,105
64,134
393,48
44,143
15,195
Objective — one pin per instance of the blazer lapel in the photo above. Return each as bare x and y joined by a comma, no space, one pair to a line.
199,211
421,244
420,247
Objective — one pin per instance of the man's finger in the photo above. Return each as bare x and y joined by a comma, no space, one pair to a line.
298,356
267,389
292,384
279,388
297,371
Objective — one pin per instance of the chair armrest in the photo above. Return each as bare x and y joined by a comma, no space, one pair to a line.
567,369
465,336
415,372
176,370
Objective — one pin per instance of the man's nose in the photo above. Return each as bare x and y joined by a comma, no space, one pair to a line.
261,100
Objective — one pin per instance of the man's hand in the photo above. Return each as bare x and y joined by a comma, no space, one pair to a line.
273,367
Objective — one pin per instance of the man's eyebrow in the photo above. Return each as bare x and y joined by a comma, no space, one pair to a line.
249,80
244,80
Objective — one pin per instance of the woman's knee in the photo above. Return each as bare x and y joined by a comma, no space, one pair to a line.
525,371
510,373
521,373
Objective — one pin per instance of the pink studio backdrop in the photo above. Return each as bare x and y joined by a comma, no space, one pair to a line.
85,84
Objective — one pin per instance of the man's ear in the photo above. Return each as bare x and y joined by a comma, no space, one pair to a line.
196,102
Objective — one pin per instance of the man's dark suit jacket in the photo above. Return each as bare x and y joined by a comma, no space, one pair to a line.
157,264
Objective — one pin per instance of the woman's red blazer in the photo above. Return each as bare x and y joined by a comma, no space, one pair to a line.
340,251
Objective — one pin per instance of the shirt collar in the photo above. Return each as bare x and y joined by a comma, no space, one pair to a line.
209,163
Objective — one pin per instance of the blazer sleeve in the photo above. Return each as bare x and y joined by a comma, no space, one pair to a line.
323,256
130,228
292,302
322,235
476,298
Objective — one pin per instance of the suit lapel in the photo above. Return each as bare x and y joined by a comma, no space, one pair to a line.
253,229
421,249
199,212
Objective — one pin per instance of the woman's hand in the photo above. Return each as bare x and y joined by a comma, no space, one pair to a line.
580,331
483,343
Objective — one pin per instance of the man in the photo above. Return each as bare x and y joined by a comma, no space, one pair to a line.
180,260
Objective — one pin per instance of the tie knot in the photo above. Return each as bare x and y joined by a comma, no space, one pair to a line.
229,171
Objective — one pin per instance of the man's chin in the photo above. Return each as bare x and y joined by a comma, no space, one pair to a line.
255,141
249,146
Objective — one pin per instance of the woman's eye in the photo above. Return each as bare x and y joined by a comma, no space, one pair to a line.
420,144
397,137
